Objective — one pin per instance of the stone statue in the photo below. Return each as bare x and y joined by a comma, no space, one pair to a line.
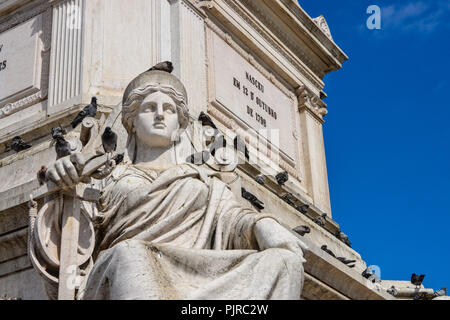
161,228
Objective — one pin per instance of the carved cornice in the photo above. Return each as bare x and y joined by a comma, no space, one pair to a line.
275,28
24,13
323,26
237,8
307,99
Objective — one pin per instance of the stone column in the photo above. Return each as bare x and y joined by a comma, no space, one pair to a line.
312,110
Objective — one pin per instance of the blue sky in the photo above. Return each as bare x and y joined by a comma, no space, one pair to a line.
387,134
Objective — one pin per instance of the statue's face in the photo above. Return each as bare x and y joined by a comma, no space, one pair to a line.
157,120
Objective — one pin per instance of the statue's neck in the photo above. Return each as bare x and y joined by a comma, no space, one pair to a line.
155,158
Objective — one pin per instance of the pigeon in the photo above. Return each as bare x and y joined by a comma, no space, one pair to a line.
344,238
62,147
240,146
206,120
321,220
441,293
199,157
368,274
345,260
261,179
302,208
89,111
417,279
325,248
109,140
119,158
17,144
252,198
302,230
282,177
289,198
165,66
58,132
392,291
41,175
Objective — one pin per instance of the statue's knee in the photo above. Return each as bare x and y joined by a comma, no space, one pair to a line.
288,258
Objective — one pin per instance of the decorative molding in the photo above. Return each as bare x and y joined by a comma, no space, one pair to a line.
45,45
307,99
15,18
274,27
323,26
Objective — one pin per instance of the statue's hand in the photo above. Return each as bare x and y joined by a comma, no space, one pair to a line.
64,171
270,234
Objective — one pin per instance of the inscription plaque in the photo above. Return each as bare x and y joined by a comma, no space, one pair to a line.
20,61
252,98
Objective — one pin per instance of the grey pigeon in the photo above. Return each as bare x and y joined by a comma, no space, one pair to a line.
325,248
109,140
206,120
58,132
345,260
417,279
89,111
252,198
119,158
369,275
282,177
302,230
17,144
393,291
321,220
441,293
41,175
302,208
165,66
261,179
62,147
199,157
344,238
240,146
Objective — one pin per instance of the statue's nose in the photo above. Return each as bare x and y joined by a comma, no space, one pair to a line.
159,112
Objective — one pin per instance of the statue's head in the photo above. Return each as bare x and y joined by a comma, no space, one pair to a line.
154,108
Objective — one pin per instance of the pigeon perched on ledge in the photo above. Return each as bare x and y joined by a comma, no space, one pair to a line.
325,248
321,220
165,66
109,140
252,198
302,208
417,279
282,177
344,238
89,111
206,120
41,175
302,230
441,293
261,179
17,144
62,147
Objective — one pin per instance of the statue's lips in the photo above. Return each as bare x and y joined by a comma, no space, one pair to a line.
159,125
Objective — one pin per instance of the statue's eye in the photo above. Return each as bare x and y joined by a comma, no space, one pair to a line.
169,108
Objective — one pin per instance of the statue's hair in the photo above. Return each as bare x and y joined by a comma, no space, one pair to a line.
131,105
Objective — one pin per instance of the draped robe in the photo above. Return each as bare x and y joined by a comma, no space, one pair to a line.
181,234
